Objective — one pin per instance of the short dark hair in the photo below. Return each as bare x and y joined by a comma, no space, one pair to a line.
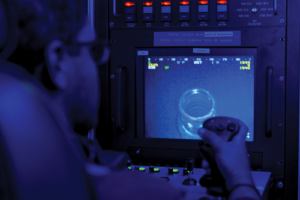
42,21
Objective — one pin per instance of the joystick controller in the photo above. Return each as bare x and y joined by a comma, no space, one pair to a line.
190,167
226,128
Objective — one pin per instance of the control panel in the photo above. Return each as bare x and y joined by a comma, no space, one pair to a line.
176,176
203,13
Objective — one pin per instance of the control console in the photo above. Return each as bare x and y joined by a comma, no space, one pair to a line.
218,13
176,176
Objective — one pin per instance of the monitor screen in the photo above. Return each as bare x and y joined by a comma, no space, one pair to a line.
181,92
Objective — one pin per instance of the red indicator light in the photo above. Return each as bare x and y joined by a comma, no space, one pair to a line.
129,4
222,2
184,2
165,3
148,3
203,2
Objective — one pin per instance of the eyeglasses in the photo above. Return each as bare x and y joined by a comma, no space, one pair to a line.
99,49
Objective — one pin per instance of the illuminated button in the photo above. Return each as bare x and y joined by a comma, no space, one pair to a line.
129,18
173,171
221,8
148,13
154,169
184,11
203,16
142,169
129,168
222,16
202,8
166,13
130,12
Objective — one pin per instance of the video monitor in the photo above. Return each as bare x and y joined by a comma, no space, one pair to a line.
183,88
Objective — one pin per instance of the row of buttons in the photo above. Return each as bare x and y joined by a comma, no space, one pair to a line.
253,9
257,3
152,169
166,11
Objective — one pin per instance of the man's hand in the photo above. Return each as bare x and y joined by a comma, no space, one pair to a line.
231,157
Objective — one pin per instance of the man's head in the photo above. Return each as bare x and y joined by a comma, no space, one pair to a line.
74,73
56,35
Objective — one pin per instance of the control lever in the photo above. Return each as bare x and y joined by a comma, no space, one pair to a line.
190,167
226,128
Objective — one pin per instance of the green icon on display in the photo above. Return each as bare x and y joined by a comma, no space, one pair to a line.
167,67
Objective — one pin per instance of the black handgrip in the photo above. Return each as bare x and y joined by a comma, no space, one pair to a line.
120,125
275,7
269,88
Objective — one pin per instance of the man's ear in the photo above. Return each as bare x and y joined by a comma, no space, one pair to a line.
54,54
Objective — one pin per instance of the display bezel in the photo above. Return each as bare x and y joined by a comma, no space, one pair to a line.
142,53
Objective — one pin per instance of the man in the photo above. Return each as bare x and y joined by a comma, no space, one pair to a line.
55,46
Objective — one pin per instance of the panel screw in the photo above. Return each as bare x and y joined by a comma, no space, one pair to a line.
282,21
281,78
112,76
280,185
111,24
138,151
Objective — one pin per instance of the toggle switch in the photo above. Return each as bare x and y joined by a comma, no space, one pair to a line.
166,11
203,11
222,11
130,12
148,11
184,11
